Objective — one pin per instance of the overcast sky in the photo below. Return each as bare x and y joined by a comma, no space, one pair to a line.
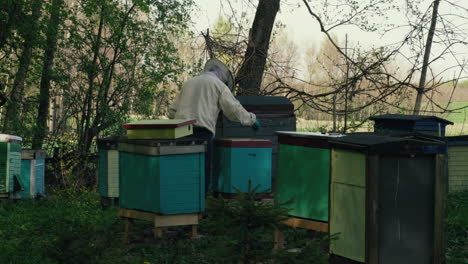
304,30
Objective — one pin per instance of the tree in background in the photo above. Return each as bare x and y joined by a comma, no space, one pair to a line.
115,60
412,48
92,63
250,74
29,29
54,23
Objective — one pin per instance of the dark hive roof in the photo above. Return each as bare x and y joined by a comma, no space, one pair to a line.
413,118
389,145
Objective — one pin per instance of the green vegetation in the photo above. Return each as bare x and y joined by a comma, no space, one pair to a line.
74,229
460,116
463,84
457,228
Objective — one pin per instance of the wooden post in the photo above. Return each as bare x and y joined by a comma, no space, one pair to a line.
279,239
128,225
439,209
158,232
372,220
194,231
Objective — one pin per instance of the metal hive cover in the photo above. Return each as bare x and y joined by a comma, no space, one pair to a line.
414,118
389,145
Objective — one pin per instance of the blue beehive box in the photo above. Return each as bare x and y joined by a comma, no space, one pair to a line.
275,113
32,173
392,123
162,176
238,161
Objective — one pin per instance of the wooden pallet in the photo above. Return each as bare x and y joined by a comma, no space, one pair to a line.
295,222
160,221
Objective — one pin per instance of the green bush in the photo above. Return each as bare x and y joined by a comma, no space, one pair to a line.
457,228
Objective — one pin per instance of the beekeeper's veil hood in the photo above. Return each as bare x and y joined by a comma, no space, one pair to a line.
221,71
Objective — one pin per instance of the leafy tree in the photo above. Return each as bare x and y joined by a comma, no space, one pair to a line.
29,31
52,33
116,59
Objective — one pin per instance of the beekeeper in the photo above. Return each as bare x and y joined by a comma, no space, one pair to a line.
203,97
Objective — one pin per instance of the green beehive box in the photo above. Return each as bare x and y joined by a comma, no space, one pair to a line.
162,176
32,172
304,173
108,167
386,199
159,129
10,164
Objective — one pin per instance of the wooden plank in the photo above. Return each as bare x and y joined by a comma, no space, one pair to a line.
306,224
372,220
4,195
439,209
127,213
175,220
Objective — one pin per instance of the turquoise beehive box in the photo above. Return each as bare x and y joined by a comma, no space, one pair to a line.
32,173
162,176
238,161
10,165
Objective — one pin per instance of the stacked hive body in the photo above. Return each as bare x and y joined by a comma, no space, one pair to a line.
386,199
108,167
458,163
10,165
162,176
238,161
32,173
304,174
275,113
392,123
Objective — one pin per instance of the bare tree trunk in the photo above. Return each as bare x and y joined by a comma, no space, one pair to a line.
250,73
427,54
14,107
44,90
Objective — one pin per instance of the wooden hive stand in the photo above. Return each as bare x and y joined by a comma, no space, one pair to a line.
160,221
296,222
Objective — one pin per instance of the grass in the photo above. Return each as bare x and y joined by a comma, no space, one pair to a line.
66,229
457,228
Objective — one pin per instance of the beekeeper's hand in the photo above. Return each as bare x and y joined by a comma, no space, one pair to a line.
256,125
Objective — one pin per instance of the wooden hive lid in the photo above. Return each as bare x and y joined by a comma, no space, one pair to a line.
244,143
10,138
159,124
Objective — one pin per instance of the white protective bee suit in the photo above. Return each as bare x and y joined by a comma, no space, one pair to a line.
203,97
